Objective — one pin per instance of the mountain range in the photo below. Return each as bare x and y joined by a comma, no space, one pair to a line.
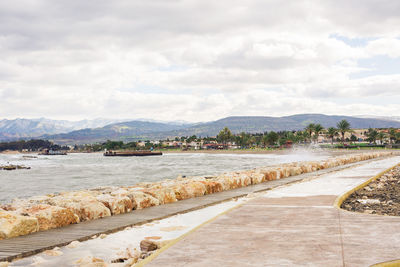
99,130
26,128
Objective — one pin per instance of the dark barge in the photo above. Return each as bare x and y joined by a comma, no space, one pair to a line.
49,152
131,153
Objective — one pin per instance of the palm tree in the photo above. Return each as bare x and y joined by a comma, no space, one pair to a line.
392,135
317,130
332,132
381,136
310,129
343,127
372,135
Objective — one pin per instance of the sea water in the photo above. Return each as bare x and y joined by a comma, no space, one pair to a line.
52,174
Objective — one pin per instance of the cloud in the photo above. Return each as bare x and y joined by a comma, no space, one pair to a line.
385,46
194,60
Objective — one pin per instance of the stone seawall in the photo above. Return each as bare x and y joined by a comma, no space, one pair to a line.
24,216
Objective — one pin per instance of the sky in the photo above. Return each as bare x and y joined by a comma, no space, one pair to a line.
198,60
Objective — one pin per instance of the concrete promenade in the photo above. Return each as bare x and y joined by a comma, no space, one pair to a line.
294,225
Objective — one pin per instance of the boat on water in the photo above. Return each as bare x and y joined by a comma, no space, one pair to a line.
141,153
50,152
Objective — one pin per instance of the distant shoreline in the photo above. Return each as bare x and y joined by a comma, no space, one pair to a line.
238,151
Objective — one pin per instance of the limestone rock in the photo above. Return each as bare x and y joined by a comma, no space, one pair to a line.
128,254
74,244
148,245
102,236
164,195
195,188
142,200
53,252
50,216
212,186
12,224
90,261
116,204
85,206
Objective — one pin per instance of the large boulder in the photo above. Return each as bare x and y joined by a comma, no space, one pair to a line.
83,203
12,224
117,204
270,174
164,195
212,186
50,216
195,188
224,181
142,200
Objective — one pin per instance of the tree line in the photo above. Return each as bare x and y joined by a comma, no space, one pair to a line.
310,134
31,145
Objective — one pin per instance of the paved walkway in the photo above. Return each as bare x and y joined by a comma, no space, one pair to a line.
28,245
294,225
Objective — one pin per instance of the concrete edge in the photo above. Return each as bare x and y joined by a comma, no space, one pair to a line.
395,263
176,240
340,199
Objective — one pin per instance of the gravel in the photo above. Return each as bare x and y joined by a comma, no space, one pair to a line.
381,196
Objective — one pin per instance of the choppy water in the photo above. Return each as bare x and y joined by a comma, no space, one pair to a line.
51,174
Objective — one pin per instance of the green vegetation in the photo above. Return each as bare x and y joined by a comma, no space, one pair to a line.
372,135
244,140
343,127
317,130
332,133
225,135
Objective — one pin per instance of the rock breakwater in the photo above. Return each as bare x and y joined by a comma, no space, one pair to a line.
24,216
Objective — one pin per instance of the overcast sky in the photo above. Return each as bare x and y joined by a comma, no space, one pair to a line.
198,60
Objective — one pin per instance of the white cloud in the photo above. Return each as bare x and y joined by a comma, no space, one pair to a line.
385,46
193,60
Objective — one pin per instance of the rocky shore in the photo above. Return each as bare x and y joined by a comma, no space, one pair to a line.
381,196
24,216
11,167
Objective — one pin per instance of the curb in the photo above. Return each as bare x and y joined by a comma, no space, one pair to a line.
394,263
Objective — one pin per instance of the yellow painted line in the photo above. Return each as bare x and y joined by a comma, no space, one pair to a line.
174,241
340,199
395,263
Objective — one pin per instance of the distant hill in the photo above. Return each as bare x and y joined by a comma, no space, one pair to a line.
135,130
258,124
126,131
26,128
